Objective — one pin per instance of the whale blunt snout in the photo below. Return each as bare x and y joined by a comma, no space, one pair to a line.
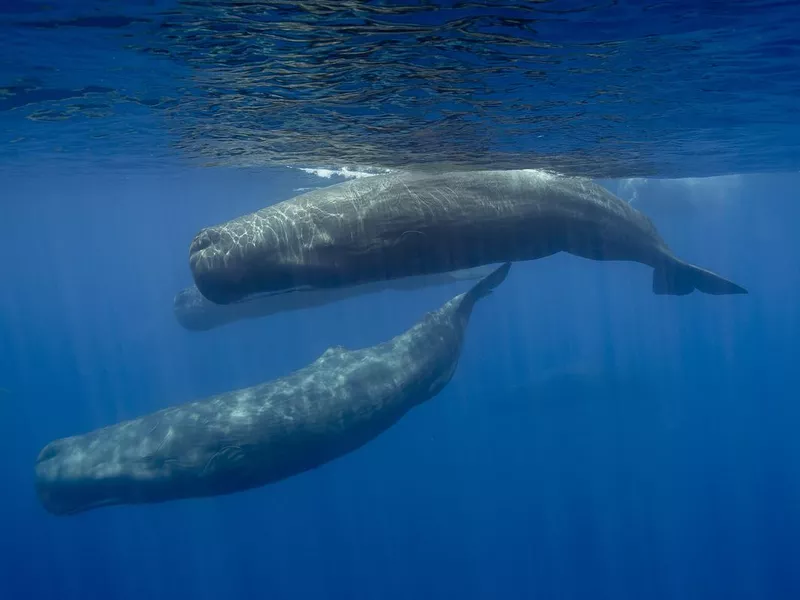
187,299
210,264
66,482
205,238
49,452
192,310
53,479
50,479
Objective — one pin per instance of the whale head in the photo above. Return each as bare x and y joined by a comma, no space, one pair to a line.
194,312
232,262
80,473
68,480
219,265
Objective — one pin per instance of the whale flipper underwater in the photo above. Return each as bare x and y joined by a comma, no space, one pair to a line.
405,224
254,436
681,278
195,313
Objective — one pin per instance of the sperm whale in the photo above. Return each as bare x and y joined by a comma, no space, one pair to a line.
405,224
262,434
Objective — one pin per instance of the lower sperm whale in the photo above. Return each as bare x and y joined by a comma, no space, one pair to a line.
404,224
195,313
262,434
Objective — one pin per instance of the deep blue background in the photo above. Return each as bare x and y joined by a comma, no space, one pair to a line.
597,441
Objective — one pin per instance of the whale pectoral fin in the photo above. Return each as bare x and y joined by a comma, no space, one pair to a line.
680,278
486,285
483,288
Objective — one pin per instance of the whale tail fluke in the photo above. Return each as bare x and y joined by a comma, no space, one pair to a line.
679,278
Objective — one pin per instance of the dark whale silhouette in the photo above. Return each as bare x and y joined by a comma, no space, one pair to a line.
262,434
399,225
196,313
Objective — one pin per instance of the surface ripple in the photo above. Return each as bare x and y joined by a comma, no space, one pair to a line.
604,88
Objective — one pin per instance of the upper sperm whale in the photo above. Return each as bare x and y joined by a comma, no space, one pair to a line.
406,224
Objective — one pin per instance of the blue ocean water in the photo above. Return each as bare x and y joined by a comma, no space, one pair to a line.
610,88
597,441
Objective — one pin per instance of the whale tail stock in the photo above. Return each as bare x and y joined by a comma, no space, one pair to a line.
679,278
